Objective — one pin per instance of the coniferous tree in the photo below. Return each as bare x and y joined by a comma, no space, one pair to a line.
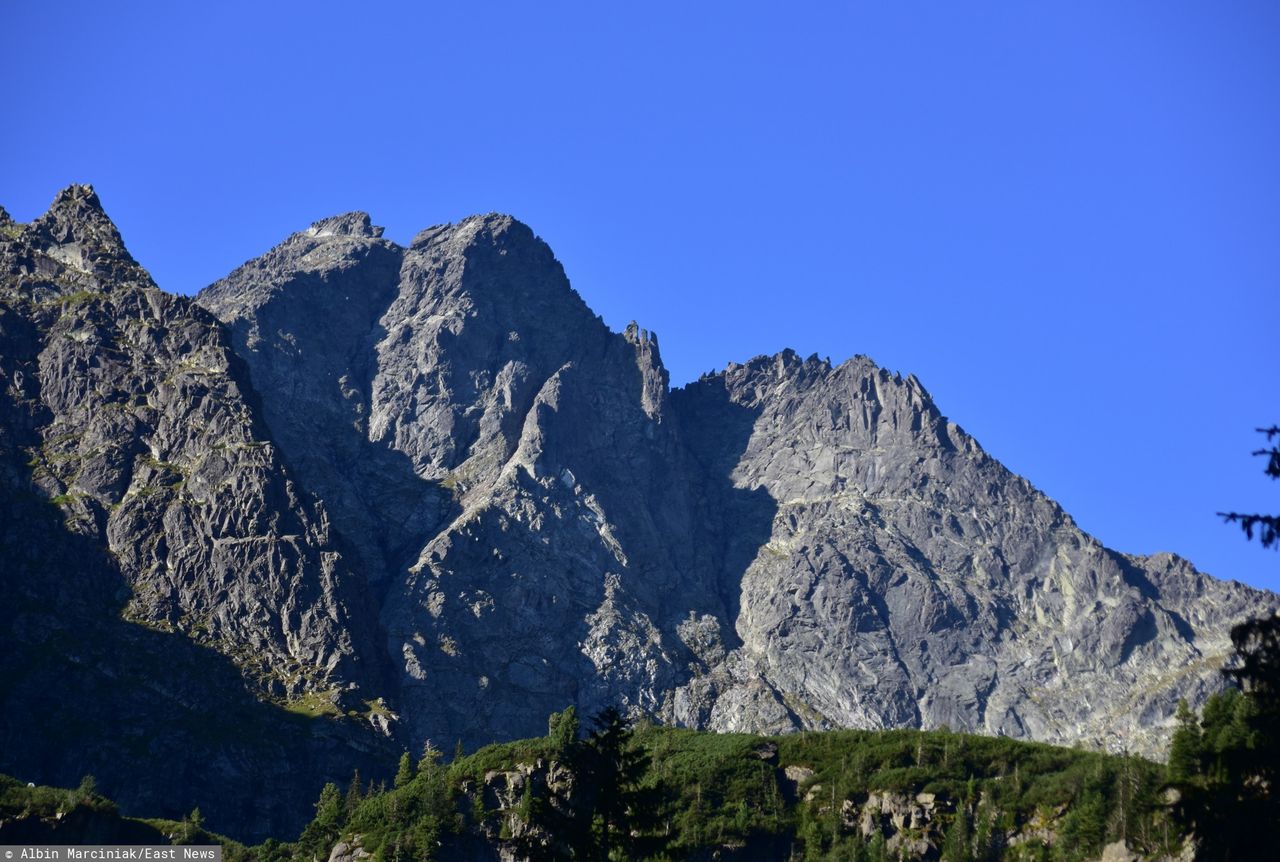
1268,526
354,794
1226,770
405,773
321,832
984,846
616,768
603,812
192,826
562,728
878,851
430,758
1184,750
955,847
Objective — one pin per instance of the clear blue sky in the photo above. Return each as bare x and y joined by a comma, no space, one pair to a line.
1063,217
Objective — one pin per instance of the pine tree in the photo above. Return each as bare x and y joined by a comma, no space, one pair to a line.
1268,526
191,826
1227,776
984,849
321,832
616,769
879,850
955,847
354,795
562,728
430,758
405,773
85,792
1184,750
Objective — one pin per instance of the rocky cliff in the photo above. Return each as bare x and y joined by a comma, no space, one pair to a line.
176,610
425,490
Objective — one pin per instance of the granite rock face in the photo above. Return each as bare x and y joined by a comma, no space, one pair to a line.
783,545
170,595
909,579
427,489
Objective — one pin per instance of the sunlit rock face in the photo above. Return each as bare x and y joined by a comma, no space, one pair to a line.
782,545
398,494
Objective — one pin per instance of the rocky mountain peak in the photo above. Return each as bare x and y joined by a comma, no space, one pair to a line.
428,491
640,337
496,258
79,228
72,248
489,229
348,224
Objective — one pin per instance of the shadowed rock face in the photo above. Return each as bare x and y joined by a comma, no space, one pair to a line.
167,588
353,470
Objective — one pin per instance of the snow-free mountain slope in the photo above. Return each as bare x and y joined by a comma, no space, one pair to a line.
357,496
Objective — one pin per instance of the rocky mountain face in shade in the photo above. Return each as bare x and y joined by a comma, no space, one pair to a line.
389,494
174,605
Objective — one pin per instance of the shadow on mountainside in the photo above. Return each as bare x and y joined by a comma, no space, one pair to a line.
311,355
165,725
731,524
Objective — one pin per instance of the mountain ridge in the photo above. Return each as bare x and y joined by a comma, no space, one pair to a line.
426,491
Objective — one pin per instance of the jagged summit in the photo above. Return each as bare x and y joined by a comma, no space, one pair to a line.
492,225
74,246
347,224
76,217
425,491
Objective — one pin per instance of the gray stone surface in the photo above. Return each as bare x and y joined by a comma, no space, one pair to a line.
428,488
167,589
783,545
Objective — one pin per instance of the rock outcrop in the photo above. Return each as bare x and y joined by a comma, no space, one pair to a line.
782,545
427,491
174,606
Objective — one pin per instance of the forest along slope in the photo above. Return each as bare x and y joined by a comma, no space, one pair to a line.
356,496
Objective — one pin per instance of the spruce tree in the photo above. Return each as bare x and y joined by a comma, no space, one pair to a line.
354,794
879,850
404,774
955,847
984,849
320,833
1184,750
562,728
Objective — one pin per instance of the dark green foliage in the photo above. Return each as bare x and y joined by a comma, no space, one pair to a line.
54,815
16,799
1184,750
330,817
612,770
1268,526
1085,823
1226,765
626,793
405,771
602,810
957,847
562,728
986,839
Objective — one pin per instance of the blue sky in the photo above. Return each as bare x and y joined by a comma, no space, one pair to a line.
1063,217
